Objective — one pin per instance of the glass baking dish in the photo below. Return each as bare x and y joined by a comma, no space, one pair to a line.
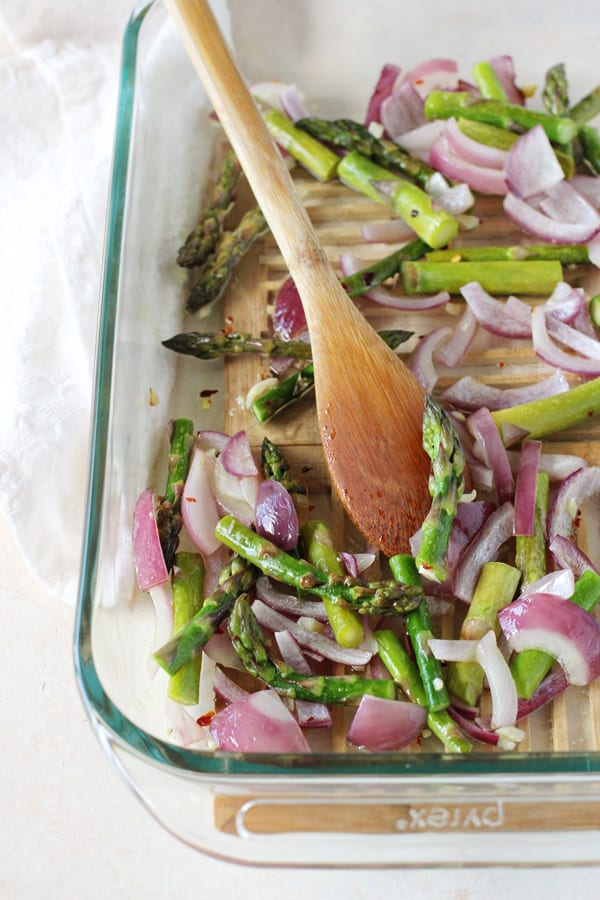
334,807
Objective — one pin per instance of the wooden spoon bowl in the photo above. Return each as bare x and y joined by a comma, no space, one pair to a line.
369,405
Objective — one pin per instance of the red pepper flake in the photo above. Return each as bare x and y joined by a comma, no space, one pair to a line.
191,499
209,392
228,325
205,719
501,364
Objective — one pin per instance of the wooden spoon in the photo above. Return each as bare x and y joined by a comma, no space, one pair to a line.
370,407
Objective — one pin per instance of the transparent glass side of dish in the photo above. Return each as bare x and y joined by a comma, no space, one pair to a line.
391,809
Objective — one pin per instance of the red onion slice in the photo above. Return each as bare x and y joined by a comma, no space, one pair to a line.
381,724
421,364
492,314
198,504
227,689
558,627
483,179
565,302
472,728
456,199
567,555
387,78
183,725
550,688
500,681
581,343
438,74
275,515
391,231
561,583
486,434
402,110
582,485
212,440
531,164
473,151
453,351
289,604
292,102
149,560
547,350
525,488
258,723
450,650
469,394
484,547
504,67
536,223
420,140
309,714
234,495
564,203
288,316
237,458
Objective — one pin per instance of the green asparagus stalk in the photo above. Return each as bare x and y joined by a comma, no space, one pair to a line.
366,597
555,93
188,586
504,140
487,81
587,108
168,514
589,139
530,667
495,589
552,414
403,670
595,309
300,384
446,483
236,578
249,643
215,274
350,135
444,104
566,254
320,552
530,550
274,465
203,239
420,631
410,202
318,159
376,273
521,277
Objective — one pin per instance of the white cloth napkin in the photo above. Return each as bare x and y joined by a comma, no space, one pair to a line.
59,70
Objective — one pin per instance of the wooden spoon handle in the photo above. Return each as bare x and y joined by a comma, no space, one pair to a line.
259,157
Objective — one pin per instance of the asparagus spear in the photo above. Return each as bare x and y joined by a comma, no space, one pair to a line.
168,514
587,108
211,344
410,202
589,139
203,239
566,254
310,153
420,630
444,104
442,445
552,414
248,640
301,383
376,273
403,670
495,588
320,552
188,585
216,272
496,277
530,667
236,578
530,550
350,135
487,81
555,93
274,465
366,597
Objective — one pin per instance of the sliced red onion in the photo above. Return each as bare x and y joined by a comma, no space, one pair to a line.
486,434
483,179
269,92
380,724
593,248
275,515
288,316
309,714
162,600
589,186
183,725
258,723
491,313
558,466
473,151
565,302
387,78
472,728
420,140
551,687
561,583
350,564
558,627
572,338
469,394
434,75
564,203
213,568
237,458
212,440
531,164
525,488
421,363
453,351
402,110
198,504
470,518
500,681
234,495
451,650
456,199
483,547
390,231
226,688
547,350
570,557
312,640
504,67
220,650
148,557
289,604
532,221
582,485
292,102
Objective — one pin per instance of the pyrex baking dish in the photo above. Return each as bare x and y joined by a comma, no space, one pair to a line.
334,807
